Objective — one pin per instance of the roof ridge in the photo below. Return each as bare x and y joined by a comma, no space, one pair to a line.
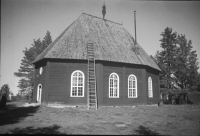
102,18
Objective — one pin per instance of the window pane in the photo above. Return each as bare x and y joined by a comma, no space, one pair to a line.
115,92
130,92
74,91
75,74
80,81
111,92
80,91
134,92
74,81
80,74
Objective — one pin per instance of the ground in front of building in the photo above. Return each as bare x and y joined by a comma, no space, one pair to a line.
135,120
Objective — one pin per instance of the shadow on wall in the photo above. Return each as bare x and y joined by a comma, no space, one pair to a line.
146,131
43,130
14,114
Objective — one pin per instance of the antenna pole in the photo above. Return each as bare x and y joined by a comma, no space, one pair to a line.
135,27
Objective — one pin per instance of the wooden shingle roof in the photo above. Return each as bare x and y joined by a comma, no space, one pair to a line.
112,42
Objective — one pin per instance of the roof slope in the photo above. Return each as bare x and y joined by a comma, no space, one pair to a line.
112,42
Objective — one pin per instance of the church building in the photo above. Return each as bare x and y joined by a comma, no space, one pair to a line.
95,62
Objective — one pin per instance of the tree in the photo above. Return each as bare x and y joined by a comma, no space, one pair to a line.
198,82
166,57
186,64
26,70
177,61
4,93
5,89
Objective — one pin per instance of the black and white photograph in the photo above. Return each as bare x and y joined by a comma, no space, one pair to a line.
100,67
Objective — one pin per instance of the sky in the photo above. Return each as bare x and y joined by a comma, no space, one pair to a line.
25,20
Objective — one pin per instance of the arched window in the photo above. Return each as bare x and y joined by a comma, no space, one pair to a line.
150,90
113,86
77,84
132,86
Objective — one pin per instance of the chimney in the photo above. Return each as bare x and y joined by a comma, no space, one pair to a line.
104,10
135,27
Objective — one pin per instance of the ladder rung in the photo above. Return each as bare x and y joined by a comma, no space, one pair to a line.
92,94
93,105
92,76
91,58
92,102
92,98
91,73
92,82
91,85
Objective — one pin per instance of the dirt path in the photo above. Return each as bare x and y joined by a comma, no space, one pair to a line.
139,120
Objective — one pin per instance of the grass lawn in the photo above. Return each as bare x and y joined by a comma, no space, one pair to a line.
139,120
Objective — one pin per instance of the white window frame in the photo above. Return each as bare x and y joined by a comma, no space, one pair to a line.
132,88
150,87
39,93
113,86
83,86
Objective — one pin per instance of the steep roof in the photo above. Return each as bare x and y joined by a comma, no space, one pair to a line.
112,42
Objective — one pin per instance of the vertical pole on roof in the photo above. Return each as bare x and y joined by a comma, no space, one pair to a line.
104,10
135,27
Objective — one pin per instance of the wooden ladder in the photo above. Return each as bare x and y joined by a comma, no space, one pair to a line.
92,95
